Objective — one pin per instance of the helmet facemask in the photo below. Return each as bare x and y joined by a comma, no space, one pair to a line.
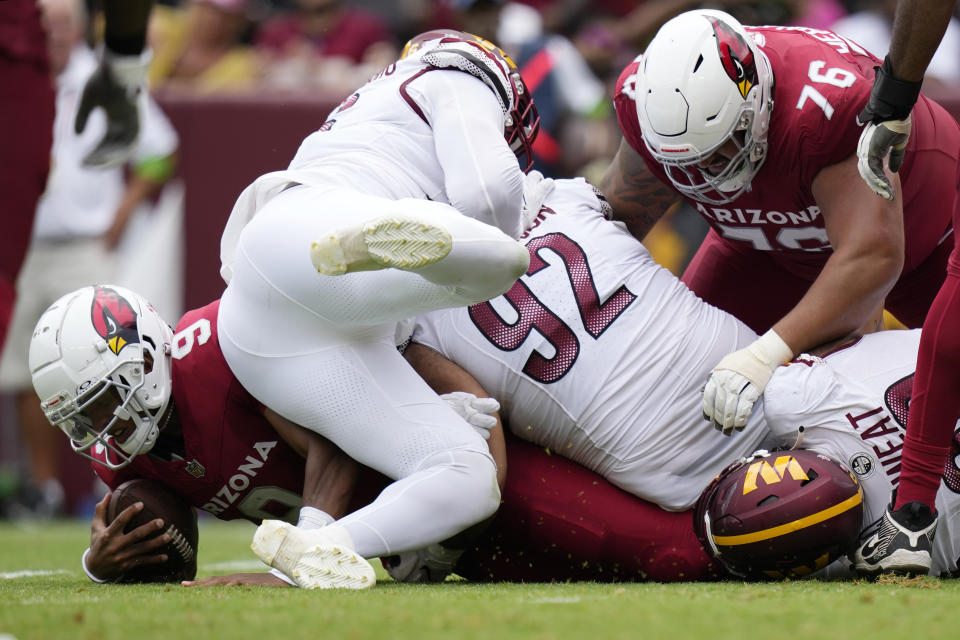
522,123
109,417
691,177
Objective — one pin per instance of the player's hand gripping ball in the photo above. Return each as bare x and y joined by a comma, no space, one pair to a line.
179,520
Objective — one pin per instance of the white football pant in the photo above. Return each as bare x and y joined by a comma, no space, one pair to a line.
319,350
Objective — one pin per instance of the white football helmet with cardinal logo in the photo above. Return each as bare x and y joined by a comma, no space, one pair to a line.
704,82
100,362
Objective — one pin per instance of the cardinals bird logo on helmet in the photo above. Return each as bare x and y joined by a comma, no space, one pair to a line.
735,56
114,318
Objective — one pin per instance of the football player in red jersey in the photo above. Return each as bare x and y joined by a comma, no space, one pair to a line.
751,127
935,403
187,422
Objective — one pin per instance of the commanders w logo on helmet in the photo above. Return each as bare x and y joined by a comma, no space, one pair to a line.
781,520
114,318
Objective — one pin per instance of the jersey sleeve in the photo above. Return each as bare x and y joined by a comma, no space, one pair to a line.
482,177
158,138
822,84
625,104
428,329
796,395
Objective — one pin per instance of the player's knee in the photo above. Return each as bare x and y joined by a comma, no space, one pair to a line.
472,484
509,261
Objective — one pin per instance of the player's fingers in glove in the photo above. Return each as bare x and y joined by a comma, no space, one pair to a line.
725,412
83,113
896,160
870,154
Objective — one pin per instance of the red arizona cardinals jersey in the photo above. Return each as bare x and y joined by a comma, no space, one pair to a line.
236,465
822,83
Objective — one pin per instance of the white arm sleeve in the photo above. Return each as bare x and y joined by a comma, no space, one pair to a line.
158,138
482,177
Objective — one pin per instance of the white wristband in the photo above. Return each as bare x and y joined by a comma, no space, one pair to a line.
129,71
83,563
282,576
771,350
313,518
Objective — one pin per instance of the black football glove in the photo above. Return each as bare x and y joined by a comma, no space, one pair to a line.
887,116
114,87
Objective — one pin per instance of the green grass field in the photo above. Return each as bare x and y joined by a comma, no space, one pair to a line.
44,594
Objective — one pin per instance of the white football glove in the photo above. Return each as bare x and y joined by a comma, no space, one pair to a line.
115,87
432,564
738,380
875,141
536,188
476,411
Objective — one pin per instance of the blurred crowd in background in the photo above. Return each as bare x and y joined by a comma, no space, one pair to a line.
570,53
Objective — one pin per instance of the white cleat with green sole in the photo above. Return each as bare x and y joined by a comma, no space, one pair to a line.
393,241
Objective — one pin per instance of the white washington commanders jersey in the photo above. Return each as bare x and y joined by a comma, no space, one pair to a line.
601,355
412,131
853,404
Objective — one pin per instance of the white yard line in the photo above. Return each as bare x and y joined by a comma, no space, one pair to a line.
30,573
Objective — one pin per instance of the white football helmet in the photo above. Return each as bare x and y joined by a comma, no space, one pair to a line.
450,49
704,82
100,362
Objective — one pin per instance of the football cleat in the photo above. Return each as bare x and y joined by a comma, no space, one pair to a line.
902,543
432,564
398,242
311,558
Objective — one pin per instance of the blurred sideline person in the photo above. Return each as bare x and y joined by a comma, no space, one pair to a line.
80,219
325,258
27,113
775,174
26,128
903,543
198,46
594,354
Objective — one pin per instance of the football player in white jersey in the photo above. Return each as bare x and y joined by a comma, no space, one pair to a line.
406,199
599,354
852,404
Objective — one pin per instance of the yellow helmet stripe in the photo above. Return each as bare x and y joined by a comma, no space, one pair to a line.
790,527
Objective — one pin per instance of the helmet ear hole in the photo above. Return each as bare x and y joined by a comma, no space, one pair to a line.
766,501
147,362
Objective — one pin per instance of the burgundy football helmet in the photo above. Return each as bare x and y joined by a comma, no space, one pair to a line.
450,49
779,515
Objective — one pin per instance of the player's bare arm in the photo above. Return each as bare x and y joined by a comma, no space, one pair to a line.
328,483
112,552
918,28
445,376
638,198
866,233
329,475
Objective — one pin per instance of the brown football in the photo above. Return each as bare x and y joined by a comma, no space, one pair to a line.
180,521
